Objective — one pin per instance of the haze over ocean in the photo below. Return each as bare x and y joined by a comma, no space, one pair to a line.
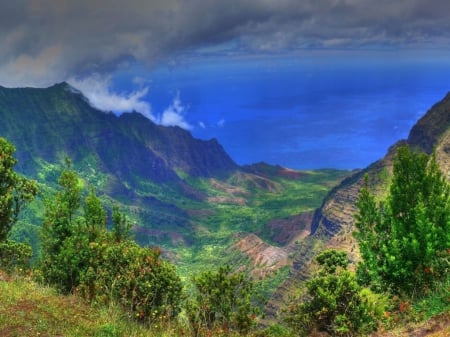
305,115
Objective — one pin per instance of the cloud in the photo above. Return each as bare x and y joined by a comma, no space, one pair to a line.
47,41
174,115
97,90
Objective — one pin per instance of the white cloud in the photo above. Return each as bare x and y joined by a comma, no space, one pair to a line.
221,123
97,90
202,125
174,115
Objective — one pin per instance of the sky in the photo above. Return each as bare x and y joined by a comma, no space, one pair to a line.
304,84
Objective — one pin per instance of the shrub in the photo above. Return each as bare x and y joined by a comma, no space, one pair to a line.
80,255
135,277
14,256
222,300
335,302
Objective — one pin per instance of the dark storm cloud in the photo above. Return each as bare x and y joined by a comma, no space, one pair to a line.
43,41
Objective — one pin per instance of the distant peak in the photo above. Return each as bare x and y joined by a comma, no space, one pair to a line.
65,86
71,88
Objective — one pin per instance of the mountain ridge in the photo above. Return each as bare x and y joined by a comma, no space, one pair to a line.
333,222
60,105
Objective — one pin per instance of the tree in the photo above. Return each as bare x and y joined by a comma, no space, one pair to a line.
62,251
223,300
334,302
403,239
15,191
80,255
121,225
94,215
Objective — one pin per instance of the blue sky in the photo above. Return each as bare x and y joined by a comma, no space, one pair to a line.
304,84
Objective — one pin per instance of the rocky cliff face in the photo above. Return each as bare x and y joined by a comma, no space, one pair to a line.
430,132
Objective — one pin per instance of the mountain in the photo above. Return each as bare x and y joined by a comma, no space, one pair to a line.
333,223
183,194
60,117
127,157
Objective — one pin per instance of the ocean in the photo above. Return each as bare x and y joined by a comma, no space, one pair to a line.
302,114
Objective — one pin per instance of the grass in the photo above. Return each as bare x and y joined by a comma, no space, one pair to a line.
28,309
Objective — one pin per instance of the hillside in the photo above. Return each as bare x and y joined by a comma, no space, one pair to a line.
190,198
333,223
44,122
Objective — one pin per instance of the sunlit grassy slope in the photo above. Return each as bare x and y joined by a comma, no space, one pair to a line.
30,310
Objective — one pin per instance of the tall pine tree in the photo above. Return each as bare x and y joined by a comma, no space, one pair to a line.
403,239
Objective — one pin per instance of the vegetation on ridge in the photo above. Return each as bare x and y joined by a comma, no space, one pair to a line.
405,250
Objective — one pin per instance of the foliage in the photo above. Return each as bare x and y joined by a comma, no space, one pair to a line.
121,226
330,260
14,256
335,302
405,240
62,249
135,277
436,301
15,191
222,300
79,254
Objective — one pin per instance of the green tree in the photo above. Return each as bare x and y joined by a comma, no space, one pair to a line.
402,240
94,215
334,302
121,225
15,191
80,255
60,224
222,299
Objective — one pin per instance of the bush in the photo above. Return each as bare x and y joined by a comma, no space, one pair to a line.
14,256
222,301
80,255
335,302
135,277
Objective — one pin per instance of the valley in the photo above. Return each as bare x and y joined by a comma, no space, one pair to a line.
184,195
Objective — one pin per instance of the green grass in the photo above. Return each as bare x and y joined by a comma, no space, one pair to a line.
28,309
436,301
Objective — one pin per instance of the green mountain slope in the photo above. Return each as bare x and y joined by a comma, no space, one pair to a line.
184,194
